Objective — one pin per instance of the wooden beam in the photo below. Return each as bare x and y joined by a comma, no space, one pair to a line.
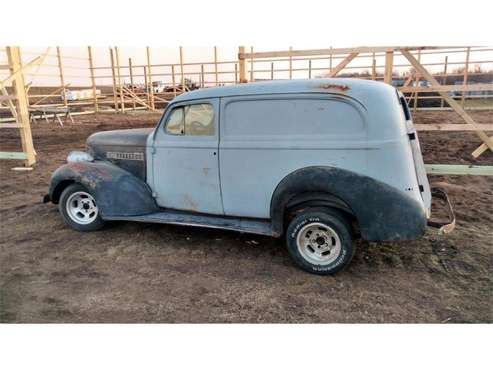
19,87
112,58
444,80
149,77
215,66
132,87
60,71
118,72
139,100
290,63
93,79
342,64
173,79
53,93
453,104
453,169
23,69
373,68
447,88
182,71
252,78
389,65
242,64
453,127
466,74
339,51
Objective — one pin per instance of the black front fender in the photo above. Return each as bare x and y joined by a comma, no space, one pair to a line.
117,192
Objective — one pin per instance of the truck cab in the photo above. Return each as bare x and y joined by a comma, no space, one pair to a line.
319,162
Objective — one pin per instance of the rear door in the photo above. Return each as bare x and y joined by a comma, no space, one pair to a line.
185,159
417,155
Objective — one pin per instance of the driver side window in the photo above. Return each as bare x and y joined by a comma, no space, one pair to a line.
195,119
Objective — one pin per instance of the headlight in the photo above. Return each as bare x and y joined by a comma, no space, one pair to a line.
78,156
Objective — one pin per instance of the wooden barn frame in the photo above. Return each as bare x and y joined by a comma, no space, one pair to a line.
19,104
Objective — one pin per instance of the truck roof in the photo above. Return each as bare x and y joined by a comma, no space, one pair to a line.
353,87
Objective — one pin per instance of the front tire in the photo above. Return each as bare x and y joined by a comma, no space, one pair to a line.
79,209
320,241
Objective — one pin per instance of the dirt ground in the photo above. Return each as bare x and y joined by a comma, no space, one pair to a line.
131,272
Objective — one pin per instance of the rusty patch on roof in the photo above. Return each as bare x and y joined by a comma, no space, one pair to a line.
334,87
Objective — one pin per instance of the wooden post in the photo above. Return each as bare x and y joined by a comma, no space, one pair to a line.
148,97
236,73
466,75
60,71
132,87
416,97
330,60
93,79
444,78
272,70
374,68
202,75
252,78
120,86
242,65
22,104
309,68
112,58
389,64
215,65
149,71
182,71
173,79
290,63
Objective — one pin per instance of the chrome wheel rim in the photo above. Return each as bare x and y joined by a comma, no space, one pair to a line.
318,243
81,208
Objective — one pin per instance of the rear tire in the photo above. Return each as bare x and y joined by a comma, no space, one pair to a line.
320,241
79,209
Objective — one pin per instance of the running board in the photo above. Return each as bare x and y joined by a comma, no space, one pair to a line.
173,217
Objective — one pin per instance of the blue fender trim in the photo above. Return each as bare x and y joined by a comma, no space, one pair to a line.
117,192
383,212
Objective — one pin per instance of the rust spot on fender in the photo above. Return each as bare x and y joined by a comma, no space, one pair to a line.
334,87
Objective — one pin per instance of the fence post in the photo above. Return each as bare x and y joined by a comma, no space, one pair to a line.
173,79
252,78
60,70
290,63
272,70
202,75
112,58
93,79
215,65
181,71
149,71
309,68
242,65
374,68
146,84
466,74
132,87
22,103
236,73
444,79
389,63
120,87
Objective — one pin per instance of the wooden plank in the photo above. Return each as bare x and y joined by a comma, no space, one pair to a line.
130,71
444,81
173,79
453,169
23,69
338,51
242,64
112,58
7,97
119,75
202,76
149,76
453,104
373,68
93,79
389,65
252,78
19,86
290,63
134,96
182,72
466,74
447,88
342,64
60,71
453,127
13,155
53,93
10,125
215,66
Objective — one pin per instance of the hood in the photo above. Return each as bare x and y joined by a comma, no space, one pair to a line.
123,148
133,137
